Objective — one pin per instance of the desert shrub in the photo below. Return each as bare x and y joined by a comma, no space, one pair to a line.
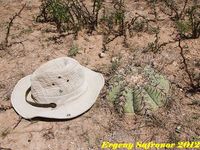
190,26
57,12
115,20
183,27
194,19
187,18
156,45
174,10
69,14
138,24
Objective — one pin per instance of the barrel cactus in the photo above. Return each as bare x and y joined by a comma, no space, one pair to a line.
146,97
114,93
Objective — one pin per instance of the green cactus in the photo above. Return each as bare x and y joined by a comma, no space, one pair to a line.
148,97
156,79
128,94
114,93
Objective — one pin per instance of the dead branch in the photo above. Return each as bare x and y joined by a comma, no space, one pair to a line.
156,45
174,9
3,148
184,7
185,64
4,108
11,23
18,122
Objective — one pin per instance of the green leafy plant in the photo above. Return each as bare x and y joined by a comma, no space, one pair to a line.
194,19
183,27
113,21
190,26
118,17
73,51
187,17
55,11
69,14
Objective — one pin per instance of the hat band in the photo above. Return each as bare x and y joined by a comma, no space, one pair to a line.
59,100
52,105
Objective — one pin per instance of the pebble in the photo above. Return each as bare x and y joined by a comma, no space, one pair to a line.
102,55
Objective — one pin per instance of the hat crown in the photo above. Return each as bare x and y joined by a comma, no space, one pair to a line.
58,81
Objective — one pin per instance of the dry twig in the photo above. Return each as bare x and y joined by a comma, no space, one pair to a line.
11,23
185,64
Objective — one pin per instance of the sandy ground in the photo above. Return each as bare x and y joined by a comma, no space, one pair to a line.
101,122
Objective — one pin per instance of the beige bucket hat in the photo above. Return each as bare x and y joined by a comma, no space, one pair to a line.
60,89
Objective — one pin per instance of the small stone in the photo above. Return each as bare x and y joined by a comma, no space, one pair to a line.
102,55
178,129
188,94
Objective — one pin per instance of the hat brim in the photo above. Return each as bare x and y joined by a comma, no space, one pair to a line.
69,110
